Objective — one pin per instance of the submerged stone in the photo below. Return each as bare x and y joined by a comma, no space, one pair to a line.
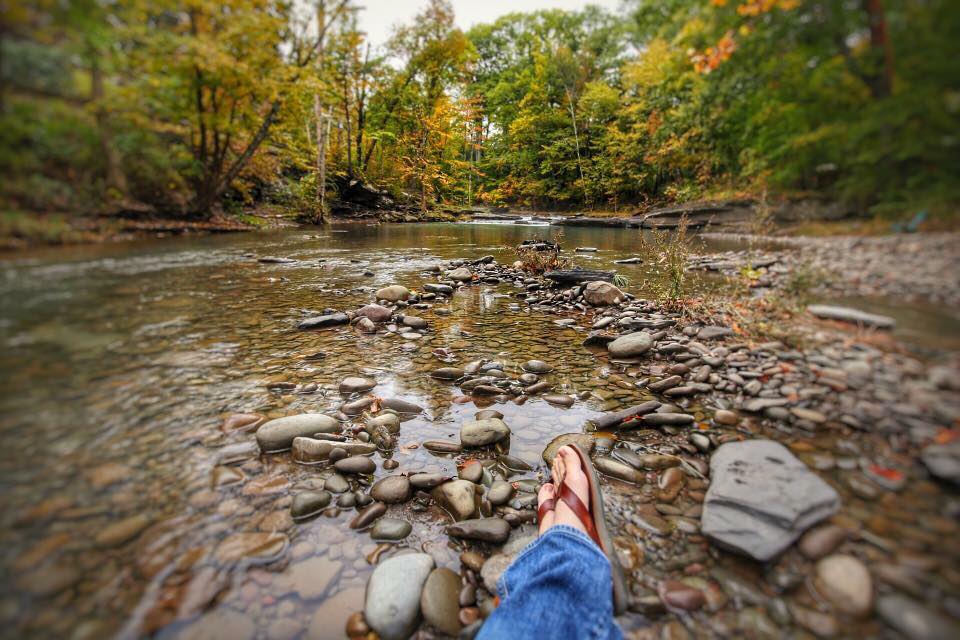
278,435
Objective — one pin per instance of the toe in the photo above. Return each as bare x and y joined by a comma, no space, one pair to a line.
547,492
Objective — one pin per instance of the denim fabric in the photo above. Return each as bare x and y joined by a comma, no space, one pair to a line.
559,587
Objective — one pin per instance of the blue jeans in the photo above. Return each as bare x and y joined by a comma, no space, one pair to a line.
559,587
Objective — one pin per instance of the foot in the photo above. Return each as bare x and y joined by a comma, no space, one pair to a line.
567,469
547,492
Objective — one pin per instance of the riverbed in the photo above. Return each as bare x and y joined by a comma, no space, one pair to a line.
132,508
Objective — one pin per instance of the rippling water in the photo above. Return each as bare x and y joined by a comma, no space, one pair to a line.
120,362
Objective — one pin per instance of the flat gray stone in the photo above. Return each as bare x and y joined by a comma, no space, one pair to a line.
848,314
943,461
485,529
278,435
762,498
392,607
390,529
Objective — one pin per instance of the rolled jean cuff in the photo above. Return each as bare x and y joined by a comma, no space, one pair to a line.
571,535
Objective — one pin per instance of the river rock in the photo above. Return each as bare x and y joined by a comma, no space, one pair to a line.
308,504
424,480
943,461
117,533
442,446
584,440
914,620
821,540
277,435
439,601
846,583
392,607
500,493
480,433
373,511
355,464
262,547
458,497
366,325
762,498
393,293
391,490
600,294
312,451
536,366
442,289
471,470
461,274
401,406
323,322
447,373
616,469
375,312
356,384
630,345
414,322
485,529
847,314
336,484
390,529
559,399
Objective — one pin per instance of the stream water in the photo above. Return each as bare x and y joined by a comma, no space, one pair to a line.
120,363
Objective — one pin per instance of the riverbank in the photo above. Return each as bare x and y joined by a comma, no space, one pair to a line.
245,434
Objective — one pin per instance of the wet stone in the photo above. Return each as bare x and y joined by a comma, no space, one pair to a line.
308,504
368,515
457,497
480,433
336,484
355,464
631,345
439,601
390,529
391,490
278,435
392,607
356,384
484,529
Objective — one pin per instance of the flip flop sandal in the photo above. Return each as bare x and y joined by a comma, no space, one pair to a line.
596,526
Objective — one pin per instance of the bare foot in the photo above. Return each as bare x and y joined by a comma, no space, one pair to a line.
547,492
573,476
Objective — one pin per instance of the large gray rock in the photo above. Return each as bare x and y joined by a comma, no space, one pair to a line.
630,345
480,433
278,435
485,529
392,606
601,294
846,314
762,498
322,322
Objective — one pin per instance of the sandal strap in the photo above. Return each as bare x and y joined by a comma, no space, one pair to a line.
546,507
580,510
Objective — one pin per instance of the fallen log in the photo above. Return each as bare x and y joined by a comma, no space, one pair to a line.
576,276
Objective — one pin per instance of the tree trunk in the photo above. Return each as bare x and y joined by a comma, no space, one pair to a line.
576,141
322,129
881,82
116,180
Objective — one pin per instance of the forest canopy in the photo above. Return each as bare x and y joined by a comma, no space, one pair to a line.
195,108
